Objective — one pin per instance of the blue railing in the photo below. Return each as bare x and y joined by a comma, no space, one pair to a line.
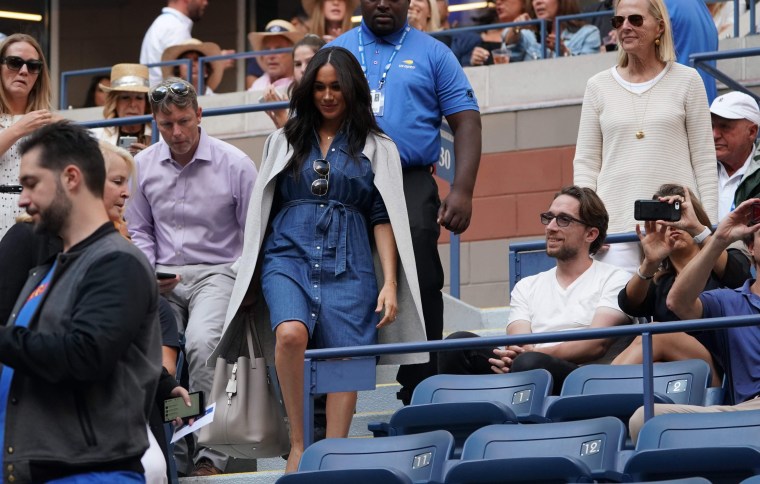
353,368
702,59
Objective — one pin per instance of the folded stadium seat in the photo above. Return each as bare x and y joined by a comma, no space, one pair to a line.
580,451
514,397
617,390
459,418
421,457
347,476
722,447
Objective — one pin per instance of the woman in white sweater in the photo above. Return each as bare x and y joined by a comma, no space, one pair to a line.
644,122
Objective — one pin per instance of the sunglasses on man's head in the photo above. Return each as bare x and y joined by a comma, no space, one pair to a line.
14,63
320,185
618,20
179,89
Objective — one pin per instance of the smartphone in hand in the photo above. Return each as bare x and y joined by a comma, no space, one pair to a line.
657,210
165,275
175,408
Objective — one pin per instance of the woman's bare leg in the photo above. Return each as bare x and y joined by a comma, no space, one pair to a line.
292,338
669,347
340,412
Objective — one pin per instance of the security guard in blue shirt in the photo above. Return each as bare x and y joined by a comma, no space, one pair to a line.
415,80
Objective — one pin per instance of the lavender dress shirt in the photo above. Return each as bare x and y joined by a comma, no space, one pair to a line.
193,214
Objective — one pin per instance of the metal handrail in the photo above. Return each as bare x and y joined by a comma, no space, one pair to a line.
701,60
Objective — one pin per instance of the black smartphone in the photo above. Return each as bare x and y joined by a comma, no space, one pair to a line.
176,408
656,210
755,214
10,188
165,275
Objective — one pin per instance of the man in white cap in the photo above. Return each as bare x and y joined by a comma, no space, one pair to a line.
735,120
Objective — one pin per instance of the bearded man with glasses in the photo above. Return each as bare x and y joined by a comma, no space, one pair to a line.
187,214
578,293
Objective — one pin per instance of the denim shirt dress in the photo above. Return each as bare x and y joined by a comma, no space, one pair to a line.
317,259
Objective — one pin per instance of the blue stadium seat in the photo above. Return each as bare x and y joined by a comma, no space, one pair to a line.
421,457
580,451
524,393
459,418
347,476
617,390
722,447
752,480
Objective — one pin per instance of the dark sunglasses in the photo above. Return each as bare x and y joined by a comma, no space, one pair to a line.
179,89
320,185
16,63
618,20
562,219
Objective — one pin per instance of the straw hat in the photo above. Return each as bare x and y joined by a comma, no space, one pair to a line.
206,49
275,27
308,6
128,78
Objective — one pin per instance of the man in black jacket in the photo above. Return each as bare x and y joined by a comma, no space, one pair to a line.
81,352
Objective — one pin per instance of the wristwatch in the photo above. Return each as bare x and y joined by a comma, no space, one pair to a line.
700,237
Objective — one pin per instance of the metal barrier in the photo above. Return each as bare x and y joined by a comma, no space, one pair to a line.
701,60
353,368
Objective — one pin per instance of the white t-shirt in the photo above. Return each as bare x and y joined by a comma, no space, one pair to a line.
542,301
727,186
172,27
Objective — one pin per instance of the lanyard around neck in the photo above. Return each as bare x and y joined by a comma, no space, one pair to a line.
390,61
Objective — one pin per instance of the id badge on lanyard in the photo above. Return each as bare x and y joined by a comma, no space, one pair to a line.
378,102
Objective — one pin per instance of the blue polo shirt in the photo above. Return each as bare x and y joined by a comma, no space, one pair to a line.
740,347
424,83
694,31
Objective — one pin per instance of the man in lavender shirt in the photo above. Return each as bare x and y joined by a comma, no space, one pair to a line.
187,214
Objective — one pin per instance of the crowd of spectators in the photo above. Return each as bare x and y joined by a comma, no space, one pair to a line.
354,152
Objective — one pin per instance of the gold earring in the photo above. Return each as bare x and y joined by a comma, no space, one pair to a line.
657,42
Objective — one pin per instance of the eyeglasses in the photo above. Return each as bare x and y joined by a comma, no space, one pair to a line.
562,219
320,185
179,89
636,20
14,63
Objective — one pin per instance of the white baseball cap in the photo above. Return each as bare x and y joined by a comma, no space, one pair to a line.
736,105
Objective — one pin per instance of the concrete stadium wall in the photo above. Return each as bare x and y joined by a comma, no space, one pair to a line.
530,114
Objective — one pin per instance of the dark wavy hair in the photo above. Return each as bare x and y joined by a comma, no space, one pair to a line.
359,122
592,211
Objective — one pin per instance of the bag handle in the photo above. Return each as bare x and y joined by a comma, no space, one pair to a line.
254,346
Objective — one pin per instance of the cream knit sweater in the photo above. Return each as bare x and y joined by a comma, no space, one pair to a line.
677,146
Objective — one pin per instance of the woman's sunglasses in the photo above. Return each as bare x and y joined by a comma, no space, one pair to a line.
618,20
14,63
320,185
179,89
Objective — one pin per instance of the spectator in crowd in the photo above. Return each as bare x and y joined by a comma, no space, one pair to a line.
578,293
506,11
655,128
303,52
352,193
735,120
408,107
95,95
602,22
443,12
694,31
667,250
24,106
278,68
194,49
576,37
126,96
423,15
734,349
172,27
187,214
75,332
329,18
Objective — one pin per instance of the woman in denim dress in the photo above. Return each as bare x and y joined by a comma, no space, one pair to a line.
317,271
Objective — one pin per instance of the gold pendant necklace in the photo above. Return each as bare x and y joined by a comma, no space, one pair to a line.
640,121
